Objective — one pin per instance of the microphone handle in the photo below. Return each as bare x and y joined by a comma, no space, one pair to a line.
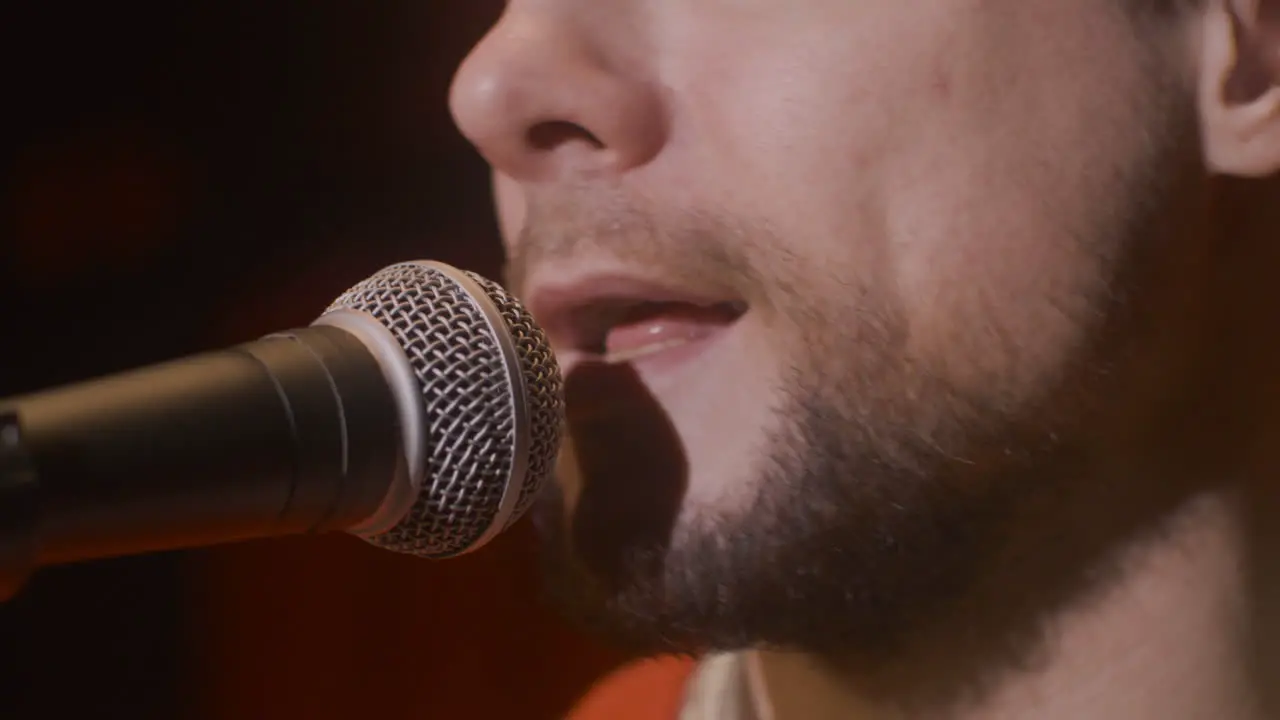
297,432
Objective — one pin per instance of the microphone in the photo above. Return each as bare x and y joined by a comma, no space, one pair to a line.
421,411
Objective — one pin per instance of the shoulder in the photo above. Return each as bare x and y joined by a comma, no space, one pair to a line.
652,689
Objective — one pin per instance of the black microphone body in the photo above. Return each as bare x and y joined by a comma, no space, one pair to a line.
294,433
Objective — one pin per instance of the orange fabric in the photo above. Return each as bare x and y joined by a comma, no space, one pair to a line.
646,690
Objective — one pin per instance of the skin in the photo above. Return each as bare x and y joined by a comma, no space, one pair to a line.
988,440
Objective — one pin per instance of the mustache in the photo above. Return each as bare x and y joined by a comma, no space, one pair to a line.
687,247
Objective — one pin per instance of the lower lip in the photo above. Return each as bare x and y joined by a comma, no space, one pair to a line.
685,343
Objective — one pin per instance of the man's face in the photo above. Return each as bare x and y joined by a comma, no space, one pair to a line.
837,287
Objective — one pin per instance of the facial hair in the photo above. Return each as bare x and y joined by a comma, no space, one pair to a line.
892,507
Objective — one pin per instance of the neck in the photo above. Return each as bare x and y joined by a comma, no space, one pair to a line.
1168,638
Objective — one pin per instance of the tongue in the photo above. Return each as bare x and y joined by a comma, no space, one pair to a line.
654,327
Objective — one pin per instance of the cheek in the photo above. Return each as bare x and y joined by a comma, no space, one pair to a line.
801,114
1010,211
999,251
955,163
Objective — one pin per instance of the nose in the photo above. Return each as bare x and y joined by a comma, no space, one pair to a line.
547,97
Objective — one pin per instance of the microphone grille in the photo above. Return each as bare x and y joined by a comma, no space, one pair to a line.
543,384
493,403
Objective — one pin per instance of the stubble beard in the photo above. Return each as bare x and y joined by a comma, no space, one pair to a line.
868,544
894,512
857,531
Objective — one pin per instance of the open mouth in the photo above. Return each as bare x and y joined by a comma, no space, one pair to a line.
648,328
621,322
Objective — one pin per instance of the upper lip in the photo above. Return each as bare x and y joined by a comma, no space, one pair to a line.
577,313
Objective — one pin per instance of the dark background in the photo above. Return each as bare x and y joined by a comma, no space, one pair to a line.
178,176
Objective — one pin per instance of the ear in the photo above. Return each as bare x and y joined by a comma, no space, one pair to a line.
1240,87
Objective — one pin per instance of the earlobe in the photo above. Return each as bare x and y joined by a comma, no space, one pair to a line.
1240,87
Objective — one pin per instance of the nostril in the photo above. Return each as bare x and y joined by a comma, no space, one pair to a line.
551,134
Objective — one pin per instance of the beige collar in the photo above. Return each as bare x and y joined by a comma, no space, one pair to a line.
767,686
719,690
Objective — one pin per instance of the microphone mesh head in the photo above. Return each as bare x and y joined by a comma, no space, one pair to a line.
471,390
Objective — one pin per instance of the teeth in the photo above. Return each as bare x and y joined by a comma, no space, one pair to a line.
635,353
